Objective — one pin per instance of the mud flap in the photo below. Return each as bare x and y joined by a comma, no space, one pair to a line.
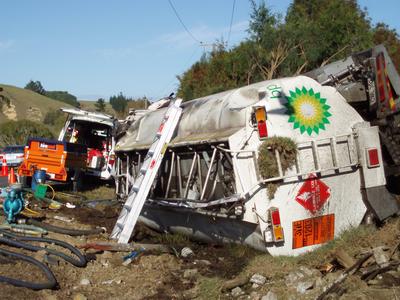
381,203
376,195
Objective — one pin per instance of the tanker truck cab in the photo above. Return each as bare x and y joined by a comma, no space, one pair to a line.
95,130
210,184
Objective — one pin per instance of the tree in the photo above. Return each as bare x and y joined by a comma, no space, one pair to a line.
119,103
312,33
100,105
35,86
390,38
62,96
17,132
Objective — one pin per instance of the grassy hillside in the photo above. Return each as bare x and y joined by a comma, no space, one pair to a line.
90,106
25,104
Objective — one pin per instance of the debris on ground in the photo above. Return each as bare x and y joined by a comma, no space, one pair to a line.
369,268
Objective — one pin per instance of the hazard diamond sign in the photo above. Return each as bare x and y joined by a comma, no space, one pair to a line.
313,194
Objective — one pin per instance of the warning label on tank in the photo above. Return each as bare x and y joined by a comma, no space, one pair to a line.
313,194
313,231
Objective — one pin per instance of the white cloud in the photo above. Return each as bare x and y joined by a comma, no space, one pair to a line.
205,34
4,45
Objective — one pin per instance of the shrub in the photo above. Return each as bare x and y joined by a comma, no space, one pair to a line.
268,167
18,132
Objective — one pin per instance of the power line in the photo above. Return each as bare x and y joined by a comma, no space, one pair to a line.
164,90
230,26
183,24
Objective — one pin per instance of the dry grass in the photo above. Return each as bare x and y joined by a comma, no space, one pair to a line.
24,99
100,192
353,241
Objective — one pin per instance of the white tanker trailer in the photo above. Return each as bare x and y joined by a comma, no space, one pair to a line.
209,184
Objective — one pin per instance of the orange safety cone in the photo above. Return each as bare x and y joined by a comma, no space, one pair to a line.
4,169
11,177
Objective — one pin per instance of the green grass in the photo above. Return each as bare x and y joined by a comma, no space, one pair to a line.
209,288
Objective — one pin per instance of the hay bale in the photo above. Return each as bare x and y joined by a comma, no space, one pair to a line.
268,167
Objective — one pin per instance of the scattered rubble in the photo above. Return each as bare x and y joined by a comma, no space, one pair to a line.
186,252
85,281
237,291
270,296
258,279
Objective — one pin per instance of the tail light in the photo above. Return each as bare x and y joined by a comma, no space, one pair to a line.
277,229
112,159
261,119
373,158
58,177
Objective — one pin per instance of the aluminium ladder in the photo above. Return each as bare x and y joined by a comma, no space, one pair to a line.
138,194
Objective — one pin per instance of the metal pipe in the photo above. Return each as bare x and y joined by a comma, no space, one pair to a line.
199,171
127,180
208,174
235,151
170,174
213,188
139,163
118,176
178,169
190,175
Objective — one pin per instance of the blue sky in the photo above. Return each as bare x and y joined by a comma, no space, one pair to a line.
97,48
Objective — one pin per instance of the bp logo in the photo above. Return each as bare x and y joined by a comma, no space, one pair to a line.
308,111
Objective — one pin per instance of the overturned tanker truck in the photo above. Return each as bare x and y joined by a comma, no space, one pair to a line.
209,184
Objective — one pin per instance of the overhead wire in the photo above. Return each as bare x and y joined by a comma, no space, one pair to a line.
183,24
163,91
230,26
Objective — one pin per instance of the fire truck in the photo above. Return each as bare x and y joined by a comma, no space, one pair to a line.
343,119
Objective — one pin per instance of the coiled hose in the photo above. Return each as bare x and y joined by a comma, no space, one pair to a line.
62,230
51,280
17,241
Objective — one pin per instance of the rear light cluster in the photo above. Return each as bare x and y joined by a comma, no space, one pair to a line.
372,158
261,119
277,230
274,232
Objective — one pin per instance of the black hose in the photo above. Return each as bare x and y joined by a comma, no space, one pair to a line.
51,280
16,241
63,230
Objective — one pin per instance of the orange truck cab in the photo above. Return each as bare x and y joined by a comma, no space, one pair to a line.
61,160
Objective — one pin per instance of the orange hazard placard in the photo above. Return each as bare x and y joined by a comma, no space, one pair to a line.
313,231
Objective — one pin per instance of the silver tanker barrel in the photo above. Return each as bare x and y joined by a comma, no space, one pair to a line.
210,184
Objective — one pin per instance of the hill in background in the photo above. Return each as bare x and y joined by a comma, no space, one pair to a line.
25,104
91,106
